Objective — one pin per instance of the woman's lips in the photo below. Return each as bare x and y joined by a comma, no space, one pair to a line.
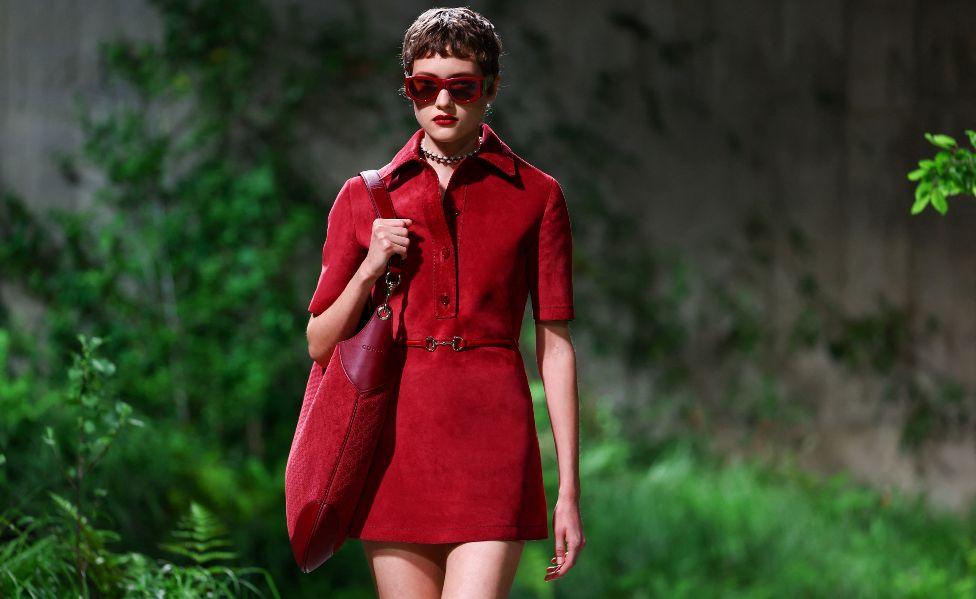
445,120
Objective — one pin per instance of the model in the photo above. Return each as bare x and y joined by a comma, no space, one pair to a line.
456,488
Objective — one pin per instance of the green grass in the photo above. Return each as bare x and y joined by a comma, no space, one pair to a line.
689,526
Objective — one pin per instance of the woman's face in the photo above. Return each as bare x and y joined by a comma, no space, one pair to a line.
468,115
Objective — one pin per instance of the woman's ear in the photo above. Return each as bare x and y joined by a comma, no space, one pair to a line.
493,88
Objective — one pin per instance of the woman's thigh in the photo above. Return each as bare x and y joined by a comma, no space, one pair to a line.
481,569
406,569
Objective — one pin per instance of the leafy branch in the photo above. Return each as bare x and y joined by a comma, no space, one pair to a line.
97,424
952,171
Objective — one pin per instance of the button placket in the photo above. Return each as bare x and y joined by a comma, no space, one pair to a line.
442,254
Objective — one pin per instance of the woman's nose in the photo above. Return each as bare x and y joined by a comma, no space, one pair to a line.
443,98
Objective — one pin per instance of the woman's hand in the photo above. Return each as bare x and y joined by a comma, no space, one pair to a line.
568,526
389,237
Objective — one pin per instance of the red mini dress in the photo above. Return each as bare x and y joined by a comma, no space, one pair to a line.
458,459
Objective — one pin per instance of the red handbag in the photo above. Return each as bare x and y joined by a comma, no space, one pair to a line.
342,414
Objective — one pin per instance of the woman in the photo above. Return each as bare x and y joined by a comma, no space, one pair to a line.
456,486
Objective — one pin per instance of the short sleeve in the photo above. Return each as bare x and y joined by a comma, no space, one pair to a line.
341,254
550,261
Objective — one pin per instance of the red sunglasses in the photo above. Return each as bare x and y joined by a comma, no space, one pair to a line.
424,88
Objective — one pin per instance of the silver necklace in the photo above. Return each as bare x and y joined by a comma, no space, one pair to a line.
448,159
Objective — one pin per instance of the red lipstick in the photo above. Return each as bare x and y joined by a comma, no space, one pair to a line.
445,119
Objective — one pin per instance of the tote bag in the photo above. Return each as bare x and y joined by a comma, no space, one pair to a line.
343,411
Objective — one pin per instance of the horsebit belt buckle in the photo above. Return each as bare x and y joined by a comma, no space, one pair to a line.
430,344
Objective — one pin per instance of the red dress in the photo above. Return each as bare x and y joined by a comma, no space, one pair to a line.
458,459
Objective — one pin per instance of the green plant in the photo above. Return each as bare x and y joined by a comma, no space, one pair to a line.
190,258
698,524
97,424
65,553
952,171
35,562
202,539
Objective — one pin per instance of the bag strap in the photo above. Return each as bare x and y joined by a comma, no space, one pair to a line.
383,206
378,193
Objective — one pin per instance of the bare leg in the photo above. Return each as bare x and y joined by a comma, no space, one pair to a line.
414,570
481,569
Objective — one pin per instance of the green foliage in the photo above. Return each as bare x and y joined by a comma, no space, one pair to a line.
32,563
952,171
200,537
97,421
691,524
65,553
185,263
89,549
36,562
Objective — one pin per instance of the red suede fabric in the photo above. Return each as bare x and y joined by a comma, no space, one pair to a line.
459,459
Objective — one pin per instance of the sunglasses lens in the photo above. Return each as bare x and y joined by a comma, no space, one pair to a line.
422,89
464,91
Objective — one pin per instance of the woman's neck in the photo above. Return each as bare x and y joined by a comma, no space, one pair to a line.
452,148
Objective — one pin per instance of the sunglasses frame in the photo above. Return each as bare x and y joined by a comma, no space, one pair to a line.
442,83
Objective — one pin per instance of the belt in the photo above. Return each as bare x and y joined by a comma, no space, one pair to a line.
457,343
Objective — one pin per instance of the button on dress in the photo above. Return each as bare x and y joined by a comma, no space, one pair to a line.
458,458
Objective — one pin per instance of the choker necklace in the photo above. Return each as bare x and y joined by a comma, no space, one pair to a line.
448,159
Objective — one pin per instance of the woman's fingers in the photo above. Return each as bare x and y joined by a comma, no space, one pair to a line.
572,554
569,543
391,229
392,235
383,223
555,571
395,244
398,239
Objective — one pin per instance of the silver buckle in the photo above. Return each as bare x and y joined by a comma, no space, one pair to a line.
392,279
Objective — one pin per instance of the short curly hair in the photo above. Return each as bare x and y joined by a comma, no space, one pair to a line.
462,32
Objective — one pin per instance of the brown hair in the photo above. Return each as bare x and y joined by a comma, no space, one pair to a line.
461,31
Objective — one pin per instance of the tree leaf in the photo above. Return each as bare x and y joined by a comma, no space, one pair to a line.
920,204
940,140
923,189
916,174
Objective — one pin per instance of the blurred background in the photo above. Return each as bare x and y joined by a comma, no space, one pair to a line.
777,358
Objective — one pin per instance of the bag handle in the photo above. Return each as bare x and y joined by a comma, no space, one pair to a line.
378,193
383,206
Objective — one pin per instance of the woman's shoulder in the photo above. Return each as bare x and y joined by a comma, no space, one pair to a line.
528,170
353,182
541,185
354,191
534,182
352,204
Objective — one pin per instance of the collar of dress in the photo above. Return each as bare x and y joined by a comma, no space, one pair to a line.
493,150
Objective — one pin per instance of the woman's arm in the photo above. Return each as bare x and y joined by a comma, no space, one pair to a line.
338,320
556,358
